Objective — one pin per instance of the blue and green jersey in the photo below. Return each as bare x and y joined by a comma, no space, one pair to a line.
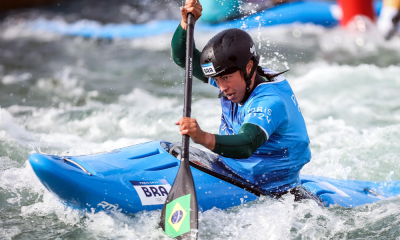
273,107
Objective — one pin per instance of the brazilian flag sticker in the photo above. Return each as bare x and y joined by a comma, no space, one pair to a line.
177,220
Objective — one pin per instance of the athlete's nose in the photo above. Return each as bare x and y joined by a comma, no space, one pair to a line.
223,87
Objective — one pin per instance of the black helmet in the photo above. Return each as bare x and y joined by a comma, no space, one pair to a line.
227,52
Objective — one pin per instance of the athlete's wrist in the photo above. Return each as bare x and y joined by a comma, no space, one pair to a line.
208,140
183,25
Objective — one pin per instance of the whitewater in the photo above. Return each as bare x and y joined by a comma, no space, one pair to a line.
70,95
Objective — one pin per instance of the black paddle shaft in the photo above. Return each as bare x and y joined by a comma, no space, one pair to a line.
187,106
179,216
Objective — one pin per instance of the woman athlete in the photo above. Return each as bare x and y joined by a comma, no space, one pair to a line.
262,136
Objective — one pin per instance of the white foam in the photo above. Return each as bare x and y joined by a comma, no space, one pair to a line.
359,95
9,233
63,84
15,78
351,113
6,163
20,29
152,43
342,106
9,127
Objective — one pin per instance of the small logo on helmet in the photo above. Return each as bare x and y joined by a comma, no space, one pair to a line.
253,50
208,68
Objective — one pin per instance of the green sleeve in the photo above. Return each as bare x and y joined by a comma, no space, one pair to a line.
241,145
178,46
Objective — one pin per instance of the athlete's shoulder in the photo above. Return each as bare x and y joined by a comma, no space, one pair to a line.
269,101
266,89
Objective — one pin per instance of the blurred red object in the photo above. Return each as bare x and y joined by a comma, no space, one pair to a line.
352,8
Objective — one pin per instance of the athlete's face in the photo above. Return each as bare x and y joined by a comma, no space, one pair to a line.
233,85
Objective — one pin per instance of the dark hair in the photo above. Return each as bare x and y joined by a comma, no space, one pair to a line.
269,76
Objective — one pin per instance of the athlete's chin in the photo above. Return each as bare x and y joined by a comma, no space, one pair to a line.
236,100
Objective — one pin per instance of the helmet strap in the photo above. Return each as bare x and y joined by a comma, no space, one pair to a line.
247,78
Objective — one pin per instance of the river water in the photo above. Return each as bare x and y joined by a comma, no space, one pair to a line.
70,95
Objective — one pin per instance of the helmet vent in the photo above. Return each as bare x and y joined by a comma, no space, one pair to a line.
232,58
232,40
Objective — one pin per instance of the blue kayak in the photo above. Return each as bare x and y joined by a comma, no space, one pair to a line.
319,13
139,177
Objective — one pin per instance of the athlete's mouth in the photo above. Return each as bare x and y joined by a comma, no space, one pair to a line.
230,95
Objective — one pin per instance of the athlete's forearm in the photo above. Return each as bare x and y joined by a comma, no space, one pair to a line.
178,46
208,141
242,145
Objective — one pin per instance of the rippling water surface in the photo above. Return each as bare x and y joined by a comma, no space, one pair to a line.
72,95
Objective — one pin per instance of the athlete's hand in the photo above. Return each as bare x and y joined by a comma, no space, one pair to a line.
190,127
192,6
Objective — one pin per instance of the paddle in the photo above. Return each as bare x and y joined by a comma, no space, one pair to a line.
395,26
179,214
